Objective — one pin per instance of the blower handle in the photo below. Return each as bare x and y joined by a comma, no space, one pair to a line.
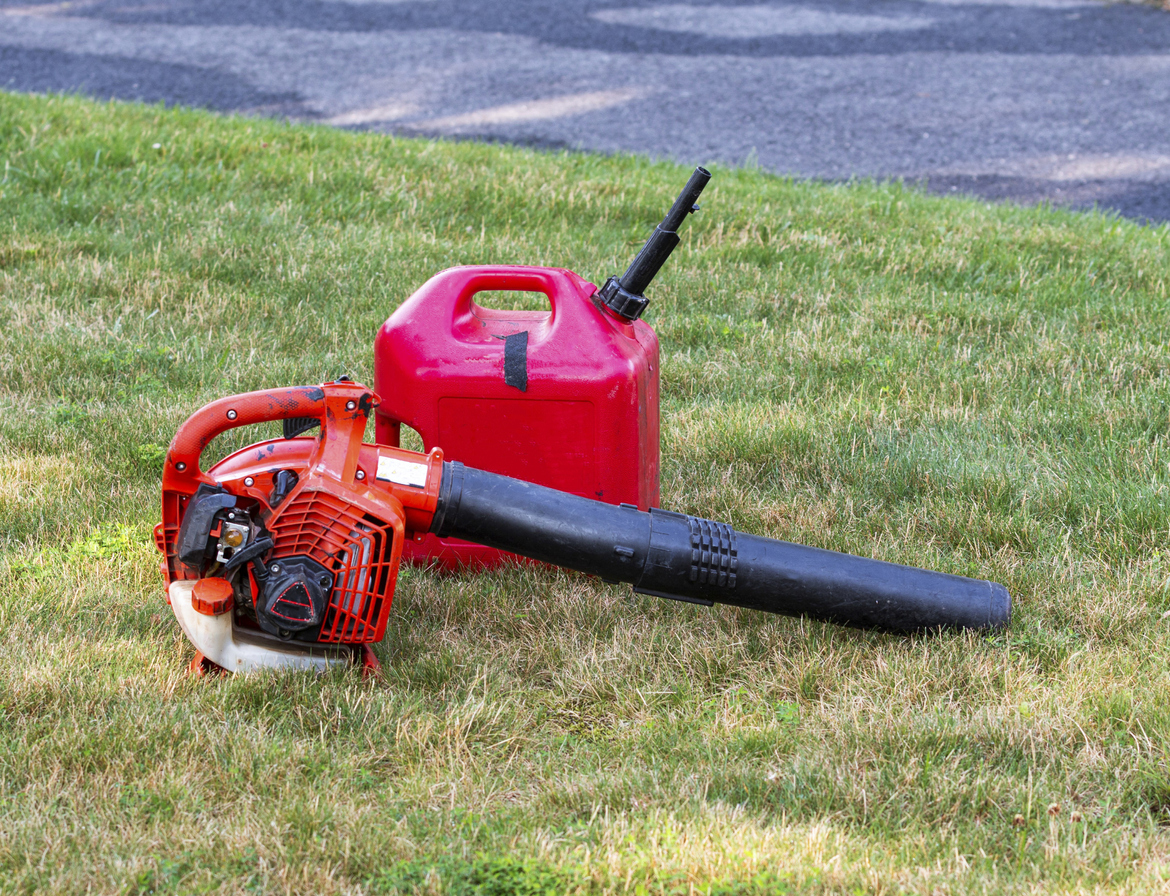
331,404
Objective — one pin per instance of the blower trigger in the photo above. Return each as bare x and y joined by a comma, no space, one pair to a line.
294,426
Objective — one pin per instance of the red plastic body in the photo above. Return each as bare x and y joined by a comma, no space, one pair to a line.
587,423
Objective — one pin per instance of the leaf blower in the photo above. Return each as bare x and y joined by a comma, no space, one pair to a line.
286,552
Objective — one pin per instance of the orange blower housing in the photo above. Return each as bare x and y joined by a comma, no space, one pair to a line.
305,534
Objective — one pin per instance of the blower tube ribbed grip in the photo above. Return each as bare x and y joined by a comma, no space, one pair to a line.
702,561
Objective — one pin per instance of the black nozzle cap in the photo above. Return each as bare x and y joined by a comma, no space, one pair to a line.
621,301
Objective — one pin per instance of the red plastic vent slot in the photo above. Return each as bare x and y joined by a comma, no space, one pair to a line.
356,547
164,539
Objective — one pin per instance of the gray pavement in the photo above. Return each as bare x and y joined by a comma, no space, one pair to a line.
1066,101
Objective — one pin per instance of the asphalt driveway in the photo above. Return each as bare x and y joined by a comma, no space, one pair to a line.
1066,101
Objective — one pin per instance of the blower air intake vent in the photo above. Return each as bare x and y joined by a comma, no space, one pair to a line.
356,547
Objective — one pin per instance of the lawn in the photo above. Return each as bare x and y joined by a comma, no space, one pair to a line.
980,389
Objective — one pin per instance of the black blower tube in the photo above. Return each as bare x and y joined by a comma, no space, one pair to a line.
701,561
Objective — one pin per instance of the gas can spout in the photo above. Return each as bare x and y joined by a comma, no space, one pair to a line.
623,295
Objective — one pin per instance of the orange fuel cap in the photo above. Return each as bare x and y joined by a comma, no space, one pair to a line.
212,597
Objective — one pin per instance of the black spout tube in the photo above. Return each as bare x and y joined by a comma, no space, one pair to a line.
702,561
665,237
623,296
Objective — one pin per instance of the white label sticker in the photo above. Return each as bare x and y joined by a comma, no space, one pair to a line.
403,472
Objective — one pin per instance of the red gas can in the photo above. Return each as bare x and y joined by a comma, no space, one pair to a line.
566,398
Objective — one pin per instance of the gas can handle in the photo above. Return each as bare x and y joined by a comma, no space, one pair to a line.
449,293
511,279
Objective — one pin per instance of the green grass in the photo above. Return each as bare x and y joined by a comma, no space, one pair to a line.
980,389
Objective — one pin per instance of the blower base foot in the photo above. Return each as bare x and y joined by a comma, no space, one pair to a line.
201,666
364,656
